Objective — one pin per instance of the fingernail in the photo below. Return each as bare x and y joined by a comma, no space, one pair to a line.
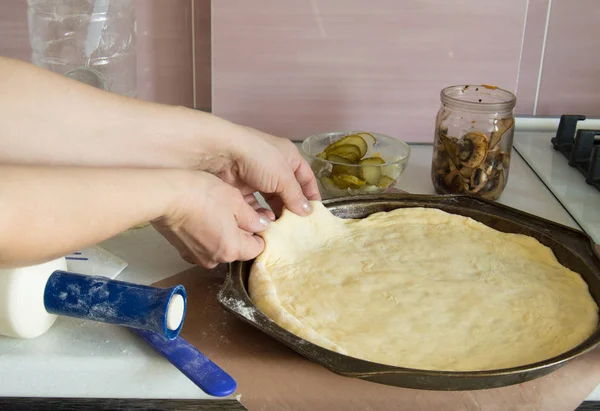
307,207
264,221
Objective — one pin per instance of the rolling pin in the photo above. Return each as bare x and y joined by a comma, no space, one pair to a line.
207,375
32,297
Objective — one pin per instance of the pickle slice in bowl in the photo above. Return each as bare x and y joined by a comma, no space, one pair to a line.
328,184
353,140
347,181
370,136
385,182
340,169
392,170
370,169
347,151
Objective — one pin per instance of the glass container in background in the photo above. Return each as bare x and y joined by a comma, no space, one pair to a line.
92,41
349,163
473,140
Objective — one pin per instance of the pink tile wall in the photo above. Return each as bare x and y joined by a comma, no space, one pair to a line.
14,37
202,28
571,69
531,57
302,66
164,46
294,68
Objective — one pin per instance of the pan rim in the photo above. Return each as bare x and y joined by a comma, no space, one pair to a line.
233,286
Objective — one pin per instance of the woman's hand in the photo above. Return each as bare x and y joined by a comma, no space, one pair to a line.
272,166
212,223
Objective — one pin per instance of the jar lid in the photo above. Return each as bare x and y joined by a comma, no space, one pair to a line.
481,98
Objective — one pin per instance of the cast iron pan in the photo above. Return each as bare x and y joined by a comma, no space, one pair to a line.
573,249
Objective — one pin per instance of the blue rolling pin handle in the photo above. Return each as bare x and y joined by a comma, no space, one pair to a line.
192,363
101,299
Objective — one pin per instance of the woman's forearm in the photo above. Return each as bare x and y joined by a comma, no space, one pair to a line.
49,212
48,119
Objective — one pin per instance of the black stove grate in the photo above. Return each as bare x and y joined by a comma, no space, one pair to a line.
581,147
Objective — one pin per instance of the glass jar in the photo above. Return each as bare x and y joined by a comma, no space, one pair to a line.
92,41
473,140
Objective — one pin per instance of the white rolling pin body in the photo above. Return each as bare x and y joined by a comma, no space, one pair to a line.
22,311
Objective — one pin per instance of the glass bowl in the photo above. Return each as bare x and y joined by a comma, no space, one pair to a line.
373,165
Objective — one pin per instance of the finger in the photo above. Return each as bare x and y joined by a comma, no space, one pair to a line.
250,246
209,264
184,251
292,195
267,213
248,219
251,200
276,203
257,206
247,190
188,257
308,182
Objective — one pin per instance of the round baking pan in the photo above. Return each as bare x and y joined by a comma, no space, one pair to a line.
572,248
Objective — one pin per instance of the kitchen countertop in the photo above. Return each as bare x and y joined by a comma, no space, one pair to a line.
566,183
83,359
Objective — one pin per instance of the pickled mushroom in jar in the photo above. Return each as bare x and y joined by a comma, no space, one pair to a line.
468,165
472,149
472,140
501,127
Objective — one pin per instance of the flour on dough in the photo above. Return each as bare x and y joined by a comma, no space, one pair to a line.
420,288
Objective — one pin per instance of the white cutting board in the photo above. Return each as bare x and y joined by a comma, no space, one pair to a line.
95,261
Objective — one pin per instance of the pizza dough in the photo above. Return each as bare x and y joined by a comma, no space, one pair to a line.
420,288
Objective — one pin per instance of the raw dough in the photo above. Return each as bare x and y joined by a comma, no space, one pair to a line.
420,288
